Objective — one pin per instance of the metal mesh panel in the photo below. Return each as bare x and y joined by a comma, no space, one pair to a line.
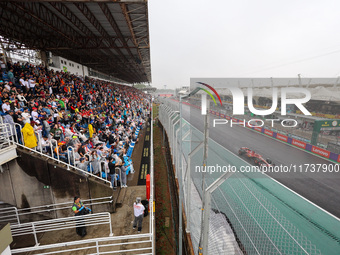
250,213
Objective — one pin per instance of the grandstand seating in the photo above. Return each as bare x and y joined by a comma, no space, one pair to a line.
76,121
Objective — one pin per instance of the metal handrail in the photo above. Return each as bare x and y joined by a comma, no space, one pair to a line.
38,135
51,147
60,224
61,162
65,203
60,204
58,158
7,210
5,136
47,208
90,243
151,224
73,155
100,163
16,135
56,146
91,169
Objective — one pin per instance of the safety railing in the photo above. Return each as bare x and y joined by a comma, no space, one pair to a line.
152,188
9,215
9,135
13,214
13,138
6,133
36,227
104,171
129,244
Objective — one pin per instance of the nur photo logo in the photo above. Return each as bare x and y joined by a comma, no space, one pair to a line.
238,100
241,98
204,98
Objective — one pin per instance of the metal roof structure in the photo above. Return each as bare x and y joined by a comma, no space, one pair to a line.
108,36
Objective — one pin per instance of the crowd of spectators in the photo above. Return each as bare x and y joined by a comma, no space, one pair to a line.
96,118
323,108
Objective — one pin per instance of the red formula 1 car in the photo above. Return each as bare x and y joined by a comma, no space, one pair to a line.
254,157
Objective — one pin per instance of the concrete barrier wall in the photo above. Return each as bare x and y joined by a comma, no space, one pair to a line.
32,180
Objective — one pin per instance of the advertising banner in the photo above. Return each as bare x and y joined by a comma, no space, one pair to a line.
268,132
299,144
321,152
282,137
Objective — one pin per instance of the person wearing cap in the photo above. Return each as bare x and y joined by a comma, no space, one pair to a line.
82,164
82,136
34,113
44,144
138,210
77,206
82,150
6,106
74,141
17,117
79,209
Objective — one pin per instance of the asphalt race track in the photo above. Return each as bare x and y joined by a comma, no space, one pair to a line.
323,189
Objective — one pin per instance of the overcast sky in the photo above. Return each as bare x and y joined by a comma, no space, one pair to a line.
243,38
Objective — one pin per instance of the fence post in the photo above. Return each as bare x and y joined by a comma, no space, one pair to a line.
111,234
97,247
11,139
51,147
35,235
16,134
70,151
190,155
106,174
206,216
68,158
17,214
56,143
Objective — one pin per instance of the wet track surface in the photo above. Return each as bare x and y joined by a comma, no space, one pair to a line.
323,189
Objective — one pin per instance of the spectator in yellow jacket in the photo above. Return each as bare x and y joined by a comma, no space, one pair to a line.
91,131
30,140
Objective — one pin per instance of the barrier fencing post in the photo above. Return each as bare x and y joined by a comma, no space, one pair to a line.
35,235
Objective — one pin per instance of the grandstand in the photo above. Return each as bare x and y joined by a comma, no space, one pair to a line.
72,131
61,126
